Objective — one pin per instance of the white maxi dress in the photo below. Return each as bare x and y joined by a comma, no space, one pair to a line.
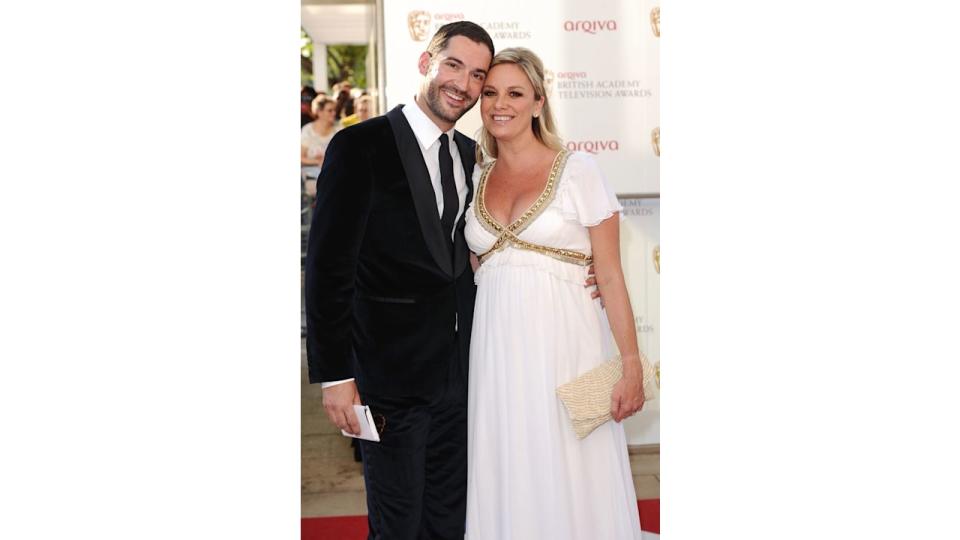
536,327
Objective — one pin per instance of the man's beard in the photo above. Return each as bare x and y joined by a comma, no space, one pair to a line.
435,105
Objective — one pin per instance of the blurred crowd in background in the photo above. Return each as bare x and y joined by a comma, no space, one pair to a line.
321,116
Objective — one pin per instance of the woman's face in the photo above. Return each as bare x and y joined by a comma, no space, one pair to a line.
507,102
328,115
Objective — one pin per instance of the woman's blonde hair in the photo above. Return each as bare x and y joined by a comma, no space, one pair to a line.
544,126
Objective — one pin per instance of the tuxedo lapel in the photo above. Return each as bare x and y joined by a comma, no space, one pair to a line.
466,148
424,198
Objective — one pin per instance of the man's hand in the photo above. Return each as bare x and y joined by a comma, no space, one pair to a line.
592,282
338,401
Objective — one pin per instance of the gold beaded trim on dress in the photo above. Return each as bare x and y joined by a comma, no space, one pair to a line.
507,236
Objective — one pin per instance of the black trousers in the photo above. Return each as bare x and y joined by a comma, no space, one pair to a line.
416,476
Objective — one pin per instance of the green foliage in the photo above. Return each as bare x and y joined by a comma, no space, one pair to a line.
306,62
344,62
347,62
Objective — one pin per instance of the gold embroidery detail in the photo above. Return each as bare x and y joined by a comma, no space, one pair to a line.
508,238
509,235
480,209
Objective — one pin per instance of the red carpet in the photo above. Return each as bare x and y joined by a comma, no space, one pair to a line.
649,515
334,528
355,527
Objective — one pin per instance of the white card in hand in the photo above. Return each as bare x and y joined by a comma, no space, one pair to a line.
368,430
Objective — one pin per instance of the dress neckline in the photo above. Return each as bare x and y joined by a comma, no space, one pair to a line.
535,209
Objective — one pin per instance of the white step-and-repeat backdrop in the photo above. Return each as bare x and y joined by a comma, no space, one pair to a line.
602,62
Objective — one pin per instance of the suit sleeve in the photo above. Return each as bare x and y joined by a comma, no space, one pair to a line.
333,249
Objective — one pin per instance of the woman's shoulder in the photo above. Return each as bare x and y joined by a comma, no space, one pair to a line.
579,167
583,194
581,160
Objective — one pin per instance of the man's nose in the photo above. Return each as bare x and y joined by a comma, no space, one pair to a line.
463,81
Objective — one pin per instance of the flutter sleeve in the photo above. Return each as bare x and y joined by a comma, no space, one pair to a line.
584,195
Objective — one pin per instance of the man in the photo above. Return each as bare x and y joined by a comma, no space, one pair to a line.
344,100
307,95
363,110
390,293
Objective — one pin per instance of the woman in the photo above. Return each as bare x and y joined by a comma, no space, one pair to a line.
537,327
315,136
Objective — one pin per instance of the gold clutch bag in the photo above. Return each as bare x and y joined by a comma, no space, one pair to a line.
587,398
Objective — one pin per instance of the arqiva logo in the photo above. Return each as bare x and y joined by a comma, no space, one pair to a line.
590,27
593,147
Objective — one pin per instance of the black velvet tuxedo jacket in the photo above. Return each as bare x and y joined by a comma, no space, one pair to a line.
385,287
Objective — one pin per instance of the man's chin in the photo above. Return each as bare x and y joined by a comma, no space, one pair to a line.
449,115
456,114
460,111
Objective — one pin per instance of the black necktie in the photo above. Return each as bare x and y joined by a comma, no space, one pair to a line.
451,203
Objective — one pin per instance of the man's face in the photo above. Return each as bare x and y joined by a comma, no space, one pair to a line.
363,109
453,78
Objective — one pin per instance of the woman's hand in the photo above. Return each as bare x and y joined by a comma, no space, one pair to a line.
627,397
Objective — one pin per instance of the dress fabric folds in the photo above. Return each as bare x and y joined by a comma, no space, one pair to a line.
536,327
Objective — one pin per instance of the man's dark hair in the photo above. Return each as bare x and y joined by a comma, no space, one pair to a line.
307,94
472,31
344,104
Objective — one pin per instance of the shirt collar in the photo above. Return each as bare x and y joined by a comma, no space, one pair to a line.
423,127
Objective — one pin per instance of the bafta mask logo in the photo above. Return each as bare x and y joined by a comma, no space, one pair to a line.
656,258
655,140
658,375
418,22
655,21
548,78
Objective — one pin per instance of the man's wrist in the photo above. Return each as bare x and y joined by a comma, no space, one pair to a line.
325,385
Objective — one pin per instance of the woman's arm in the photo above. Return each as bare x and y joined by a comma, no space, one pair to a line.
627,396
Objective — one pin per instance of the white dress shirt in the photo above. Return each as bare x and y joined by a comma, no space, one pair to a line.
428,137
